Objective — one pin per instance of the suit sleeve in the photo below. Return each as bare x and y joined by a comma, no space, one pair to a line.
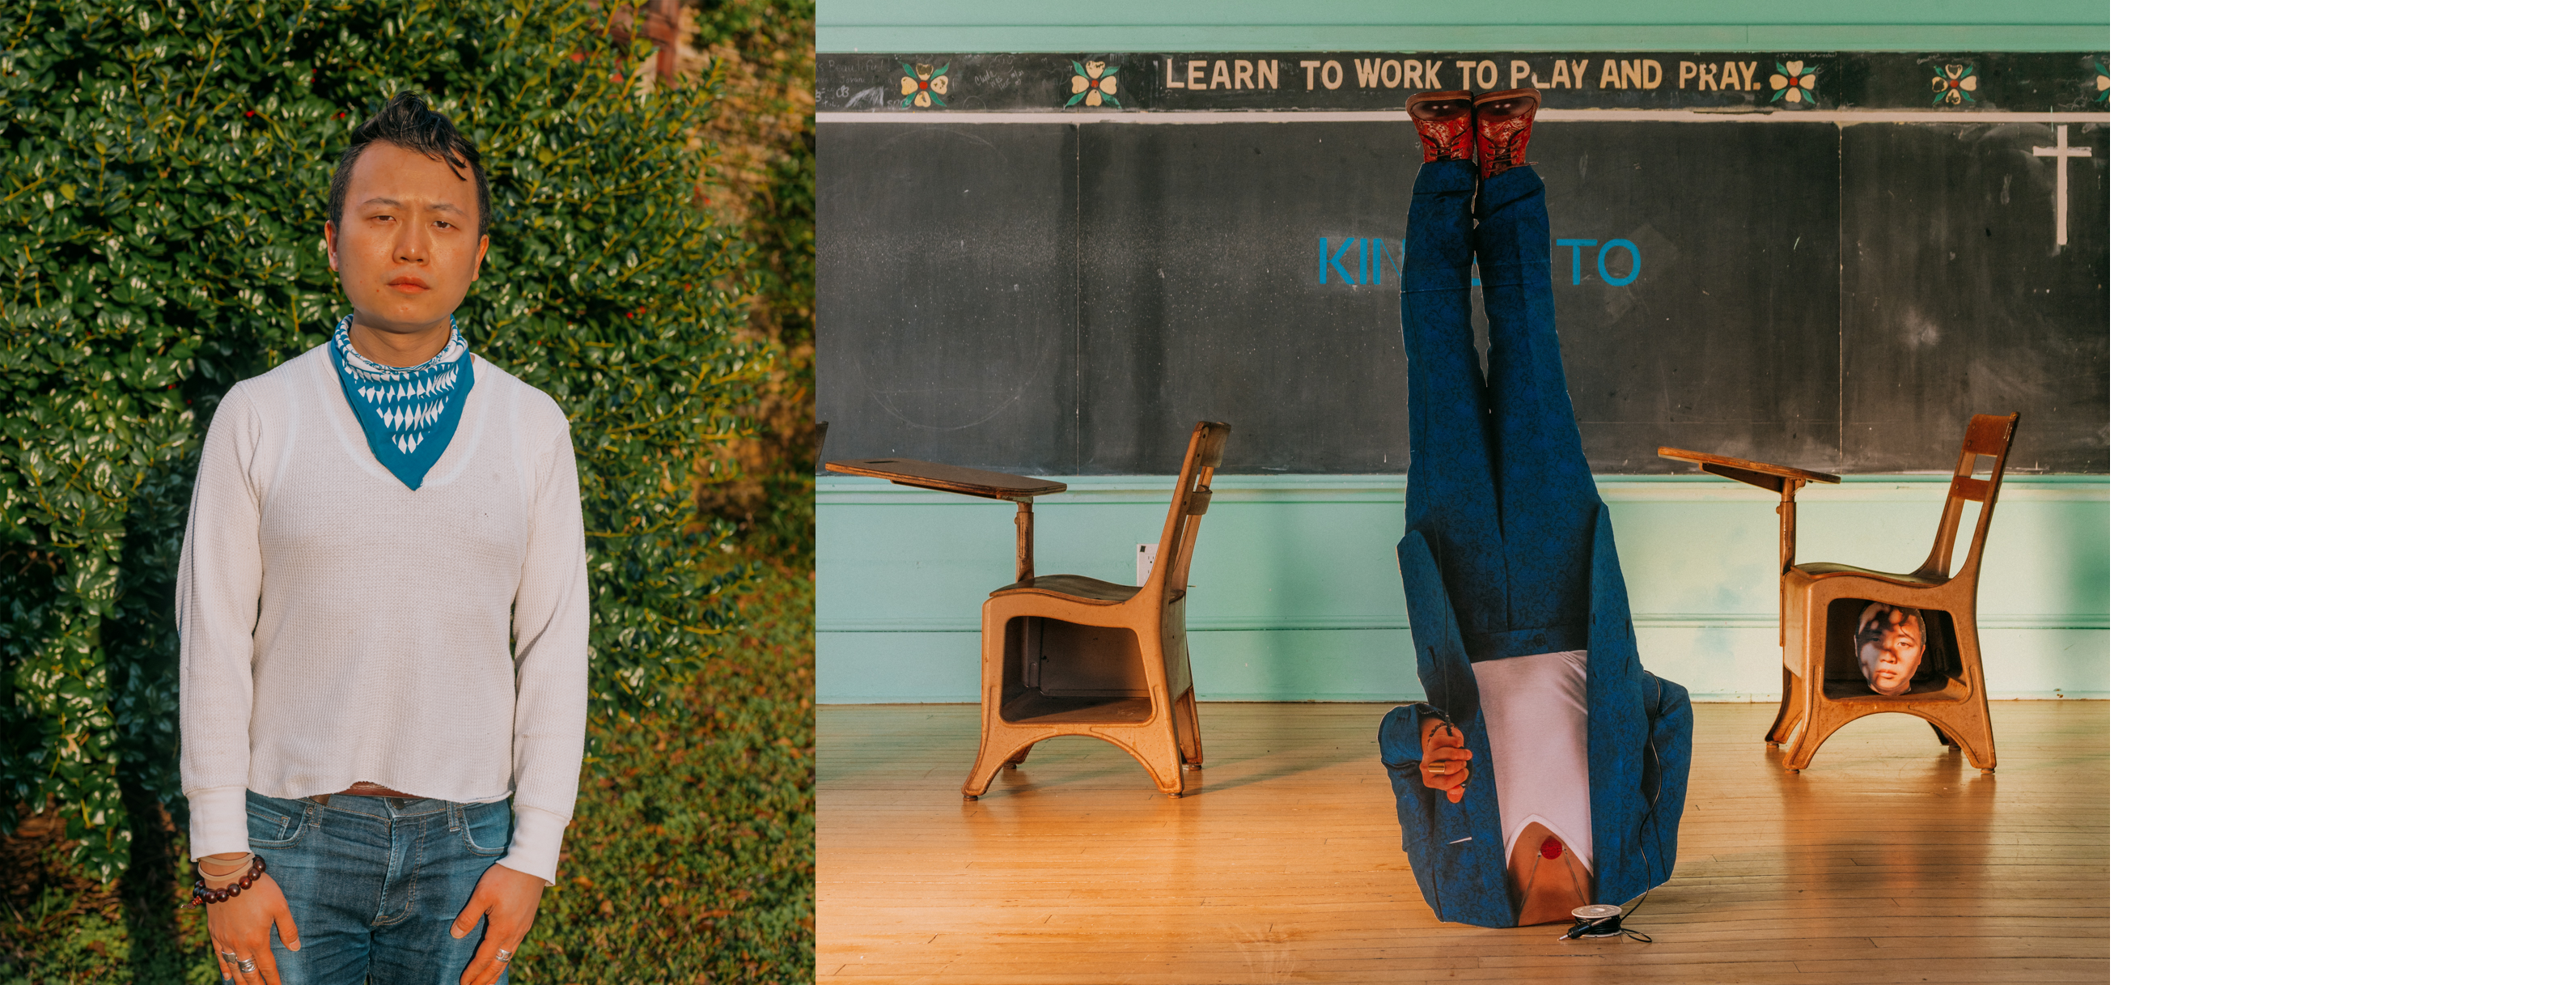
1667,777
1439,655
551,624
1417,807
1399,741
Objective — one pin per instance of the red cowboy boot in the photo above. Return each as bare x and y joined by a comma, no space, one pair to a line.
1442,119
1503,121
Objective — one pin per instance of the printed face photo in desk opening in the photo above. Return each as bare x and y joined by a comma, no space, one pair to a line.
1892,650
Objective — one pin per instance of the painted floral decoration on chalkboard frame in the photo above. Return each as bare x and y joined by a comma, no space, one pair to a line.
923,85
1094,82
1952,85
1794,80
2102,79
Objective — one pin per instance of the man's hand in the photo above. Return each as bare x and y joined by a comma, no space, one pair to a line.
240,927
1444,758
507,898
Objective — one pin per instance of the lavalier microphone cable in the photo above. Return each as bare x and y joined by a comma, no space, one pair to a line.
1601,920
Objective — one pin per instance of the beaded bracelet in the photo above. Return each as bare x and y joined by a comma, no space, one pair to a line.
203,896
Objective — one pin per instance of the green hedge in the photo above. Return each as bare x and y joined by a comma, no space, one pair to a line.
163,171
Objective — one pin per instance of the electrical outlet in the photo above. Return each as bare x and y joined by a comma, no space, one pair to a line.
1144,562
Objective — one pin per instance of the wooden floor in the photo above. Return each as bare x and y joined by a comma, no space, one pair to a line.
1889,860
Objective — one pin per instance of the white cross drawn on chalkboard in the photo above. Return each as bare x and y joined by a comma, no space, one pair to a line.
2061,152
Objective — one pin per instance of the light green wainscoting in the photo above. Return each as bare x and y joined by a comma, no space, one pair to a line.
1297,598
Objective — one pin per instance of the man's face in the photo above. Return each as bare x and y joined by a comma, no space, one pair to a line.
404,243
1899,651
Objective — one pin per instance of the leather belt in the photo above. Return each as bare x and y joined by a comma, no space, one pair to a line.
363,788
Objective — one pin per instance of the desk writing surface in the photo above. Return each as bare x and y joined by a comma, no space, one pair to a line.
947,478
1720,464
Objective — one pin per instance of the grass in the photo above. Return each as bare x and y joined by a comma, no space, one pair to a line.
690,858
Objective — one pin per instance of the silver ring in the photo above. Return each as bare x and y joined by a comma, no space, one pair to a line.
500,956
247,966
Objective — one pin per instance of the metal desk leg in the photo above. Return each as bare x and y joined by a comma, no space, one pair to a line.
1028,527
1788,550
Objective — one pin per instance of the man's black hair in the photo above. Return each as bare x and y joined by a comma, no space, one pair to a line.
408,122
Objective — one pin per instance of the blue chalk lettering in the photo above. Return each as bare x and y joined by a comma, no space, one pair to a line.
1319,257
1337,259
1601,262
1578,245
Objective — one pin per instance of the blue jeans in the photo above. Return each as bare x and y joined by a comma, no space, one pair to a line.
1497,482
374,883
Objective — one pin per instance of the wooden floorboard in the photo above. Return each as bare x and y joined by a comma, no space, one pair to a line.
1889,860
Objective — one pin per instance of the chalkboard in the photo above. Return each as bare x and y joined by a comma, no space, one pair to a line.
1957,299
1051,298
945,322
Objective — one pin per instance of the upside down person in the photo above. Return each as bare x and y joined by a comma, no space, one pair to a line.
1545,768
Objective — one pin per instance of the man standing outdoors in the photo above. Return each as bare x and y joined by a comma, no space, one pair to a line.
384,617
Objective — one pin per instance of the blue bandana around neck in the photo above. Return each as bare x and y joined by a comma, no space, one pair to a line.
409,414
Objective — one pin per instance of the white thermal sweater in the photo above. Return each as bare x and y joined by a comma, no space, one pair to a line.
337,627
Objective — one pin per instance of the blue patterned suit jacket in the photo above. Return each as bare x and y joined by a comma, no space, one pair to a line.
1639,736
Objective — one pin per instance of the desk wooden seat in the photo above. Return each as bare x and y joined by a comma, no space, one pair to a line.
1827,569
1075,588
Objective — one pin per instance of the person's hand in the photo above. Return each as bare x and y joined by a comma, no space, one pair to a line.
507,898
1444,758
240,926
